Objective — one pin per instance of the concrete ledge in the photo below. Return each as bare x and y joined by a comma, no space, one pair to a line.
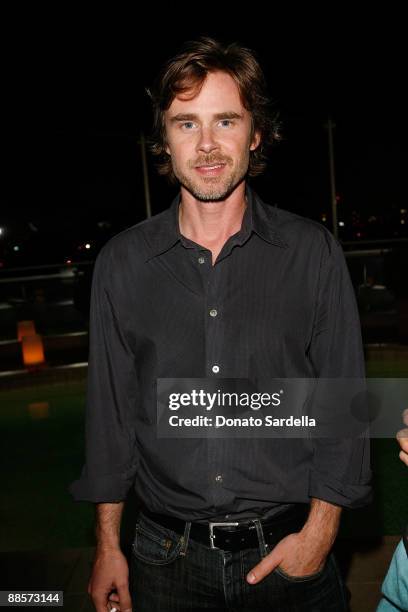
21,379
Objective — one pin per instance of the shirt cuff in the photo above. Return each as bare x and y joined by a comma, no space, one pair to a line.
109,488
339,493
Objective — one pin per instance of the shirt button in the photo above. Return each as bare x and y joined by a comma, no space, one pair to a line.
213,312
201,260
215,369
218,478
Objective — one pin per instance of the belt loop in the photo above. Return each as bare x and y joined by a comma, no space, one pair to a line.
263,546
185,538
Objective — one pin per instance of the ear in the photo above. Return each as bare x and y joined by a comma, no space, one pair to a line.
256,139
167,149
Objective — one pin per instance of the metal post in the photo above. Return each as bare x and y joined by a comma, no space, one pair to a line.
330,126
145,176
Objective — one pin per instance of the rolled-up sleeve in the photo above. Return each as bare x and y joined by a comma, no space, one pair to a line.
340,472
111,398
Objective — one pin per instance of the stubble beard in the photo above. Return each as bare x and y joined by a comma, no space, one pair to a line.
212,188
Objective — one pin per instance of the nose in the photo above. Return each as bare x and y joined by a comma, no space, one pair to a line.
206,142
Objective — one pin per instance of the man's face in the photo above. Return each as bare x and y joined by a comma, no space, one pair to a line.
209,138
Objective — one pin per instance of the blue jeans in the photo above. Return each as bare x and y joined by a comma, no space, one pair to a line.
171,572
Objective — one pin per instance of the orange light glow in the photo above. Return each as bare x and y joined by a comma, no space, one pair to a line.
33,350
25,328
39,410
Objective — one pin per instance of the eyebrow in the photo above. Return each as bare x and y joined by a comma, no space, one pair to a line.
194,117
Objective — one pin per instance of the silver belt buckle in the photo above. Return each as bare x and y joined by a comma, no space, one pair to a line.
211,527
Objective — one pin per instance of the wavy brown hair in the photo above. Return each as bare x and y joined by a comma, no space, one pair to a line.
188,70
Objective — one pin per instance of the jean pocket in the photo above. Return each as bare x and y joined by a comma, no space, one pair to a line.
154,544
308,577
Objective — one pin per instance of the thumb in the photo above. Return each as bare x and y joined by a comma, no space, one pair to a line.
264,567
124,599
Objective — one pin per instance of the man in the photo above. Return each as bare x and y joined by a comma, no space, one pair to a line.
219,286
402,437
394,588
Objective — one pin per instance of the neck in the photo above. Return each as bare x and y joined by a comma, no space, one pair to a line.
211,223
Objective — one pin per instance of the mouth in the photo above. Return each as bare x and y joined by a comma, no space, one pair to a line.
212,170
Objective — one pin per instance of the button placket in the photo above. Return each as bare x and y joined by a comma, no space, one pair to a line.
214,357
210,326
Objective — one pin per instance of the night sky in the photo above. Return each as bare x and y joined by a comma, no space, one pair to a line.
75,107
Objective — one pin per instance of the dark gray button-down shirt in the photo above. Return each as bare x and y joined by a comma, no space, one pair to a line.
278,302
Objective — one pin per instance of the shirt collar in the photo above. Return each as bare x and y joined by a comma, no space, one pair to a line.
162,231
264,219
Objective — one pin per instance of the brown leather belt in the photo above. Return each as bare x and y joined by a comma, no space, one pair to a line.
236,535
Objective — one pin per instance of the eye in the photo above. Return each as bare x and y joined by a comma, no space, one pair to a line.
226,122
187,125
